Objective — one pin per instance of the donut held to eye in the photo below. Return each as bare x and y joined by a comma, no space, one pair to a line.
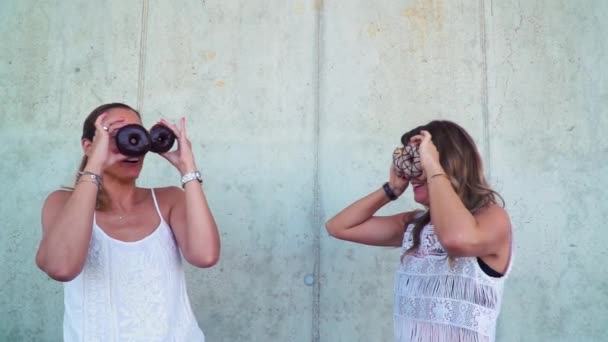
407,161
162,138
132,140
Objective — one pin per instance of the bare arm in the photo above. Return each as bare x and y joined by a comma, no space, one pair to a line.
67,217
462,233
194,226
67,221
356,223
487,233
190,218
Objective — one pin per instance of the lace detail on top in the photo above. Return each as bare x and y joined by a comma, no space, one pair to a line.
437,298
130,291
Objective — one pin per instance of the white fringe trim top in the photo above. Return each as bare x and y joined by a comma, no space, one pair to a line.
437,298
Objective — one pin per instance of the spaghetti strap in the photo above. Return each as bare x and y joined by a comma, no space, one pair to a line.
156,204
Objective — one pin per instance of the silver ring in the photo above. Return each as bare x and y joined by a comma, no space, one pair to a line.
105,128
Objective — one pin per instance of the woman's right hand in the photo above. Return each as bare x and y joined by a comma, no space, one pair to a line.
397,183
99,153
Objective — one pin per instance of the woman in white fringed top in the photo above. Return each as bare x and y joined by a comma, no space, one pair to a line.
456,254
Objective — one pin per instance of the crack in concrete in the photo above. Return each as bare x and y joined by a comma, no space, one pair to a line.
143,39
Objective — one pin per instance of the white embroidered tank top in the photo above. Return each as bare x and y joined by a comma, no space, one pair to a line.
130,291
441,299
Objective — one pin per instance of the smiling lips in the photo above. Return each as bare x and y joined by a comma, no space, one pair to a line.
417,186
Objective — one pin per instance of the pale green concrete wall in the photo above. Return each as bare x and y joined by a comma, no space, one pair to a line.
294,108
548,111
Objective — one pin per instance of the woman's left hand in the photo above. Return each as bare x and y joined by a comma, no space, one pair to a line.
429,156
182,158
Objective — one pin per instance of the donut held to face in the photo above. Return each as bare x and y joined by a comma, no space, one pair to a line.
133,140
407,161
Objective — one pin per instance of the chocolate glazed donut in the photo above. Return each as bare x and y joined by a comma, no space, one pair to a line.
162,138
132,140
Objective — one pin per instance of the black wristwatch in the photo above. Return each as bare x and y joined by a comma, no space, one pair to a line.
389,192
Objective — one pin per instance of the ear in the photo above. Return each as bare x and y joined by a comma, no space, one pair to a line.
86,146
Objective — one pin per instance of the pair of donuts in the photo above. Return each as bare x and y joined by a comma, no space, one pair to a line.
134,140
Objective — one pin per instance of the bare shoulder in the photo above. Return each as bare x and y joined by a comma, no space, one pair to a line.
53,204
493,211
408,216
57,198
169,194
495,217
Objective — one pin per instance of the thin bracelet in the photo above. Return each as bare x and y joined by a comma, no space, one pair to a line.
85,172
428,181
89,181
95,177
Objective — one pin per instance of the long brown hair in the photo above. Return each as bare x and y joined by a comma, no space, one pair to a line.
88,132
461,161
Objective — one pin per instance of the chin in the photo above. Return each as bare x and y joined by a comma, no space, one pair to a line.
126,174
133,174
130,177
422,199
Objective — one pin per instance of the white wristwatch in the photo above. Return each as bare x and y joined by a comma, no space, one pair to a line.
190,176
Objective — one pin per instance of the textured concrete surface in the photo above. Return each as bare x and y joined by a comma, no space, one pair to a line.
386,68
548,97
293,109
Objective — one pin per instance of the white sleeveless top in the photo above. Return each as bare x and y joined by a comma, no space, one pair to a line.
130,291
441,299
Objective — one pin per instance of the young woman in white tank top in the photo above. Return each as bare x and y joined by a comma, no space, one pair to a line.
118,248
456,254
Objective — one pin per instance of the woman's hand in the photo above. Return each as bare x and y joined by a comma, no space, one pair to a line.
429,156
182,158
99,154
397,183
